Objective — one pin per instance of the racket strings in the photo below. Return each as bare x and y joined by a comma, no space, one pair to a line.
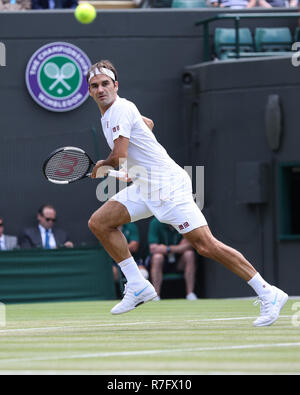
67,166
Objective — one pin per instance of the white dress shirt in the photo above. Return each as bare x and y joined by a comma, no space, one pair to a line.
2,243
52,241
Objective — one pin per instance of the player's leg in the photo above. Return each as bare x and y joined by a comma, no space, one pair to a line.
187,263
271,298
104,224
124,207
156,270
187,219
207,245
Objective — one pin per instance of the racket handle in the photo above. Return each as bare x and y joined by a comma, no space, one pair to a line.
112,173
116,173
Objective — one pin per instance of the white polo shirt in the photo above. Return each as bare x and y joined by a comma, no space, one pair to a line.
146,156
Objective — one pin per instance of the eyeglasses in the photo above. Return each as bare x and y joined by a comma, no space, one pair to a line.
48,219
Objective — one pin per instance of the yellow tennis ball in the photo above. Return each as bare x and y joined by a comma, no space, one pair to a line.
85,13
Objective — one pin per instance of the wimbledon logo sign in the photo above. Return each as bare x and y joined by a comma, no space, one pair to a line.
56,76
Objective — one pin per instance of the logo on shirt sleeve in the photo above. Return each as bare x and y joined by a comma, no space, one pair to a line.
115,129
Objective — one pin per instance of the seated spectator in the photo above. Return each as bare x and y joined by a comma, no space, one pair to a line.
131,232
233,4
15,5
277,3
169,251
7,242
44,235
51,4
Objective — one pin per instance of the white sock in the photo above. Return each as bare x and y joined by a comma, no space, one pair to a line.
132,272
260,286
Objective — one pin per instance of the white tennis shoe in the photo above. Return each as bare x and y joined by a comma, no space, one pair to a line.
270,306
134,297
191,296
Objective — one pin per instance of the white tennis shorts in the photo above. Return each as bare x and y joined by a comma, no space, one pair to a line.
177,207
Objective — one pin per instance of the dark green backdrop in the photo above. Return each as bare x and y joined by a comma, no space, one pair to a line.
63,274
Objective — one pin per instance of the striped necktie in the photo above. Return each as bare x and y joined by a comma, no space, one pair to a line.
47,240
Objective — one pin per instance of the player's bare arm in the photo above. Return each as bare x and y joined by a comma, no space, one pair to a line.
115,159
148,122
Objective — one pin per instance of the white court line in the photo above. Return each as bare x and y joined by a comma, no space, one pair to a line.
49,328
68,327
231,319
149,352
107,372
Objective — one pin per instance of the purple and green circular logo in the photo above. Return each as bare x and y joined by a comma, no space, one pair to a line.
56,76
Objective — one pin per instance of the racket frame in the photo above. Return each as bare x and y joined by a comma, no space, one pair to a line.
68,148
112,173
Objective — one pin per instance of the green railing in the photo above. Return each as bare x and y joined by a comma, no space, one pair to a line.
237,18
37,275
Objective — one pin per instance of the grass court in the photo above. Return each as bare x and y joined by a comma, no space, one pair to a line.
166,337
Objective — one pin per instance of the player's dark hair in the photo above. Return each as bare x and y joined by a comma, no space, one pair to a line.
105,64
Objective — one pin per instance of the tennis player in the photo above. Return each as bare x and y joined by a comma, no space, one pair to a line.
161,188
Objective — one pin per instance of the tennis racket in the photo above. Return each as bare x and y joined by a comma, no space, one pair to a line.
70,164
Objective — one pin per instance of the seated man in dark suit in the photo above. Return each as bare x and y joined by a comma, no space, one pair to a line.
44,235
6,242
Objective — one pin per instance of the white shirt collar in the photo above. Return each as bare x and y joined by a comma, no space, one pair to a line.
42,229
108,110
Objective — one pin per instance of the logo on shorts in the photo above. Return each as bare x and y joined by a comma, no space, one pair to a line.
184,226
55,76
